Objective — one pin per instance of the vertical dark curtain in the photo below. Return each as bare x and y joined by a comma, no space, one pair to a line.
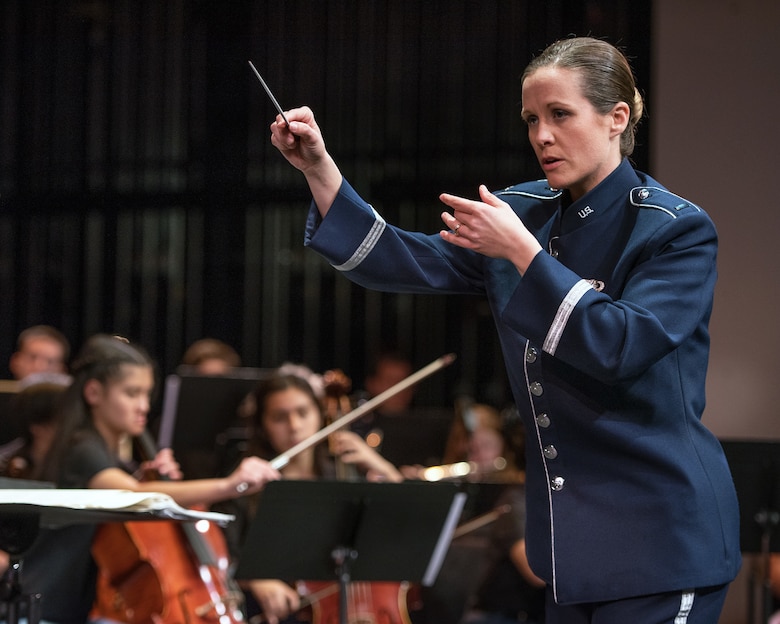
139,193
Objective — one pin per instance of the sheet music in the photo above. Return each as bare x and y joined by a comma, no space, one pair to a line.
155,504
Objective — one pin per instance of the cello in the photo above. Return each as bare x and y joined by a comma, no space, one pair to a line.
375,602
164,572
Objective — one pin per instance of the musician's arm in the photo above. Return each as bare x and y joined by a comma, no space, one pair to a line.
250,477
277,598
518,556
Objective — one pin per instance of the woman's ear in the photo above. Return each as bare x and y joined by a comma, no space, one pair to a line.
93,390
620,117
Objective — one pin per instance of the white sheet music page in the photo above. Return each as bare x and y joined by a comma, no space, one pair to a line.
156,504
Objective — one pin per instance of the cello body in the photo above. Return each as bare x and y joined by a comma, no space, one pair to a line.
149,574
163,571
375,602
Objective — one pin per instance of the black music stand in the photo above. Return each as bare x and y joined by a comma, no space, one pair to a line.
755,468
200,410
351,531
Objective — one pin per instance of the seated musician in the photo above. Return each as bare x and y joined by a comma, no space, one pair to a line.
108,400
33,410
210,356
508,590
287,412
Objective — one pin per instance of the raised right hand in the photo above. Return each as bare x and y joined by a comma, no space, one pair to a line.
301,143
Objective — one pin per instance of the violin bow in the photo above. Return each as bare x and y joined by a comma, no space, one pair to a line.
480,521
307,600
280,461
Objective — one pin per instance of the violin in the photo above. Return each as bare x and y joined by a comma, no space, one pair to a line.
336,404
367,602
281,460
164,572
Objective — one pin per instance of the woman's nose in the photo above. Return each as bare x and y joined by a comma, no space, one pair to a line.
543,134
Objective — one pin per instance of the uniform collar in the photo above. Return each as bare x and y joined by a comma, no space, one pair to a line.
611,191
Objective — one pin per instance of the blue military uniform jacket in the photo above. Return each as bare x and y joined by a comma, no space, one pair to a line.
606,344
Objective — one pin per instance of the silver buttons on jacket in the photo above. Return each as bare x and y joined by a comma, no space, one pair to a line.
543,421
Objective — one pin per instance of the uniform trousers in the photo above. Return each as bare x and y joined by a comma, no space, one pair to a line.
696,606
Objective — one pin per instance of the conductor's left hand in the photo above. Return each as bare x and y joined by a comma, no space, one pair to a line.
489,227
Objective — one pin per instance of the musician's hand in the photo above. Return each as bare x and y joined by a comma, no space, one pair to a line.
352,449
411,472
164,464
251,475
277,599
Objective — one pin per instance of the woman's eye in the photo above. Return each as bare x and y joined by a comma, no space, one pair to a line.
560,114
305,413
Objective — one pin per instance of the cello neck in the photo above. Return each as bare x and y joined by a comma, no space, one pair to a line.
197,542
148,449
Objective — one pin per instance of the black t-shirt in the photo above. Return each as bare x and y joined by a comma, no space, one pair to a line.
59,564
504,590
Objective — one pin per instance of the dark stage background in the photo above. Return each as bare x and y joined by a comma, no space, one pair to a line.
139,193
